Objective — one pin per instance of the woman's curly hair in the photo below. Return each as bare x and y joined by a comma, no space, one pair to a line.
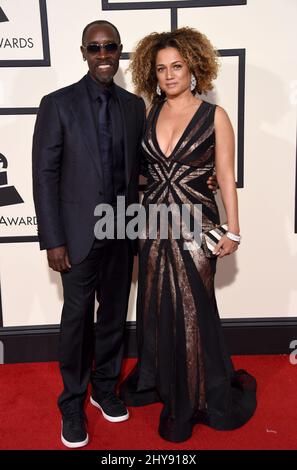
193,46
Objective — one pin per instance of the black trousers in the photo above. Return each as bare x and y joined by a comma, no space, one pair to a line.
106,273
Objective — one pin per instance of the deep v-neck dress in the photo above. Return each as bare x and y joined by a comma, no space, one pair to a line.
182,359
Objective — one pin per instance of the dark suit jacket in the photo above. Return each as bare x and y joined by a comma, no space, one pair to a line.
67,168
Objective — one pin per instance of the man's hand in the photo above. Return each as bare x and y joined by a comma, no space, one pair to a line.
58,259
212,183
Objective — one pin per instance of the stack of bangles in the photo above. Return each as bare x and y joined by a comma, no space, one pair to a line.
234,237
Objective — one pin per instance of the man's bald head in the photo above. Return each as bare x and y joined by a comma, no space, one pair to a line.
101,23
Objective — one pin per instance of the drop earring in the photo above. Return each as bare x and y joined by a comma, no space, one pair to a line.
158,90
193,82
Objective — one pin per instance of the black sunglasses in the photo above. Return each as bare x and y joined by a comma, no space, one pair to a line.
95,48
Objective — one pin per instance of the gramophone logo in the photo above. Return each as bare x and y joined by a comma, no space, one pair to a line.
24,43
8,194
3,17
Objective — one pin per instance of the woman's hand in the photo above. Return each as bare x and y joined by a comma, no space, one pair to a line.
212,183
225,247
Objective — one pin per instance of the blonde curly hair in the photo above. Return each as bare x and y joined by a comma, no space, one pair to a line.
193,46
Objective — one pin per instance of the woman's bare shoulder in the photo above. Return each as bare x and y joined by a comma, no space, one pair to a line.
221,116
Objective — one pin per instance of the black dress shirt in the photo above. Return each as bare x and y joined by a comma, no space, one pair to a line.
95,90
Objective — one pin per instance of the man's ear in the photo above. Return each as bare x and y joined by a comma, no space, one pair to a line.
82,52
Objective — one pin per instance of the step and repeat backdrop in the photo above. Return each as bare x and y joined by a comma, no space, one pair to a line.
257,85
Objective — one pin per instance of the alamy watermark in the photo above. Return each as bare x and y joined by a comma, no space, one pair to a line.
1,352
293,354
172,221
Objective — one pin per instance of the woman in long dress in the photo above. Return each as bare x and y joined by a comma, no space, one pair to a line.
182,359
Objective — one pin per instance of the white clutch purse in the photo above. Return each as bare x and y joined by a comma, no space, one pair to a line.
212,237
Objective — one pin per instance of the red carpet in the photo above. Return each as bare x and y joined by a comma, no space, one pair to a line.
29,418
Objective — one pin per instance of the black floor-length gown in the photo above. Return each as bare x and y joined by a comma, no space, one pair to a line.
182,360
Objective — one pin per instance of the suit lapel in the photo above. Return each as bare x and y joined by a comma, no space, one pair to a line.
82,111
126,113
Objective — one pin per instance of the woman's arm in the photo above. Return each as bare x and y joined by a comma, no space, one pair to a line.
224,161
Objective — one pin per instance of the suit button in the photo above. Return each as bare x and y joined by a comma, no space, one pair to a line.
100,193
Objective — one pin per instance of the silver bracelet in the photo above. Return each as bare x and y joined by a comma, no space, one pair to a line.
234,237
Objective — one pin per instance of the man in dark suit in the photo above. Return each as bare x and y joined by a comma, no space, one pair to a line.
86,151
